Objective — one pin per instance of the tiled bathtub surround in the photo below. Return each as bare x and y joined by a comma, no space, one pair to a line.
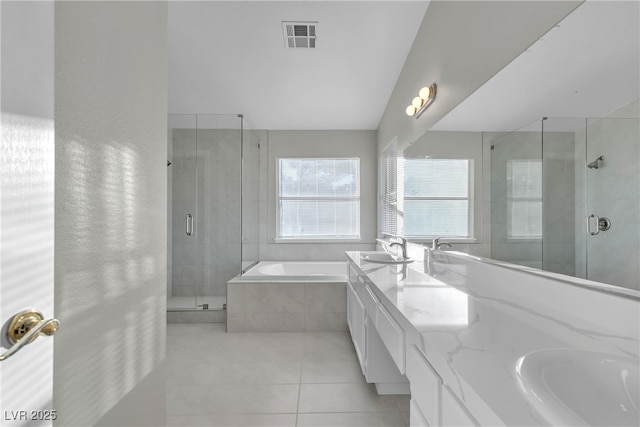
286,307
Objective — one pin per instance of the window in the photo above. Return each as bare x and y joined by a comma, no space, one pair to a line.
318,198
389,191
524,199
437,198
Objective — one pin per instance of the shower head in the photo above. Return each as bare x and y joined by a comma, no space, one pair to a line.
596,163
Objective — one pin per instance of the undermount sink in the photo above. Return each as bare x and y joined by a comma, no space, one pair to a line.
573,387
385,258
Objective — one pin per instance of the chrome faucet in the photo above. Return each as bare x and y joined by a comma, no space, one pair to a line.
403,246
436,244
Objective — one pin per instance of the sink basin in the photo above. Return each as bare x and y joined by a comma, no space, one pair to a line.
385,258
573,387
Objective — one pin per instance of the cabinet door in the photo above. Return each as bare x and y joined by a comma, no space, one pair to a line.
415,416
454,414
425,386
356,319
380,366
392,335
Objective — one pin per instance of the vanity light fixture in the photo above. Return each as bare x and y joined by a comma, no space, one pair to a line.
420,103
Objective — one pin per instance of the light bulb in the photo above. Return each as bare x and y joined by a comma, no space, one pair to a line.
417,102
425,92
411,110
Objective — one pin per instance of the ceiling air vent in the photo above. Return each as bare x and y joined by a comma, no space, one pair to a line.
299,35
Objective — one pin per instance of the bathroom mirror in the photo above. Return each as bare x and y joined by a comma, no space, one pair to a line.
560,195
556,194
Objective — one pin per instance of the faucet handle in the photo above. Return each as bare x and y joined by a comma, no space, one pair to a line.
436,244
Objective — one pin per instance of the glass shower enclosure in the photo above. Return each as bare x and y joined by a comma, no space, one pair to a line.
213,164
566,198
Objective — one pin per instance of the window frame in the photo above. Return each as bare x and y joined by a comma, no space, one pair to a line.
471,208
316,238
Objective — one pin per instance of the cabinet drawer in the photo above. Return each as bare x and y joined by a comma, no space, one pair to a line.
356,319
392,336
371,303
454,414
425,385
353,273
415,416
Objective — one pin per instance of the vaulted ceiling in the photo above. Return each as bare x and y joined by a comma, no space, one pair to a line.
230,57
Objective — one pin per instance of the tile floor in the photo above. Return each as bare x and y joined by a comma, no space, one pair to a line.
270,379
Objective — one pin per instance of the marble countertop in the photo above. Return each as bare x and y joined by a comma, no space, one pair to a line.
474,321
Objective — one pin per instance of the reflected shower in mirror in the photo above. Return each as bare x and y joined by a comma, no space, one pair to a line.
559,204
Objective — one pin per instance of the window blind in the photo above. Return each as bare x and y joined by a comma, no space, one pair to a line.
318,198
389,190
437,200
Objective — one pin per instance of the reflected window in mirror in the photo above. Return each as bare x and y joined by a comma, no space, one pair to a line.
438,198
524,199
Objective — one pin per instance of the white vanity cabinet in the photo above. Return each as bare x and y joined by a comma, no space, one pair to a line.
454,414
356,321
363,313
391,357
432,402
426,387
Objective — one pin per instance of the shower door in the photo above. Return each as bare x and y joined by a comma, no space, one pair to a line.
217,251
205,207
182,204
612,200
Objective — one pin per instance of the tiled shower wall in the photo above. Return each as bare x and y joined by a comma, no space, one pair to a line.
203,262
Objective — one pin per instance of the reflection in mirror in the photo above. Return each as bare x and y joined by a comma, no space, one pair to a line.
541,182
543,191
537,192
516,196
440,190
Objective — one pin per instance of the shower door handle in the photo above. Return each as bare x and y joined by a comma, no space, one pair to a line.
189,224
589,218
602,224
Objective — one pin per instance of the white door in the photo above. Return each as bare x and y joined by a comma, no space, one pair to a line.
26,205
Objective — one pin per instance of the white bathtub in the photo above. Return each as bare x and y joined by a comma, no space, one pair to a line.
276,296
297,271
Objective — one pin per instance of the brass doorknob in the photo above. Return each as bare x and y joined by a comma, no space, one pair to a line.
25,327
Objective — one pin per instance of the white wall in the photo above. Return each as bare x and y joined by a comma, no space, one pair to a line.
324,143
460,45
111,207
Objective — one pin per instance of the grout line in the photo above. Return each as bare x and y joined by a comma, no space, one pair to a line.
299,392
